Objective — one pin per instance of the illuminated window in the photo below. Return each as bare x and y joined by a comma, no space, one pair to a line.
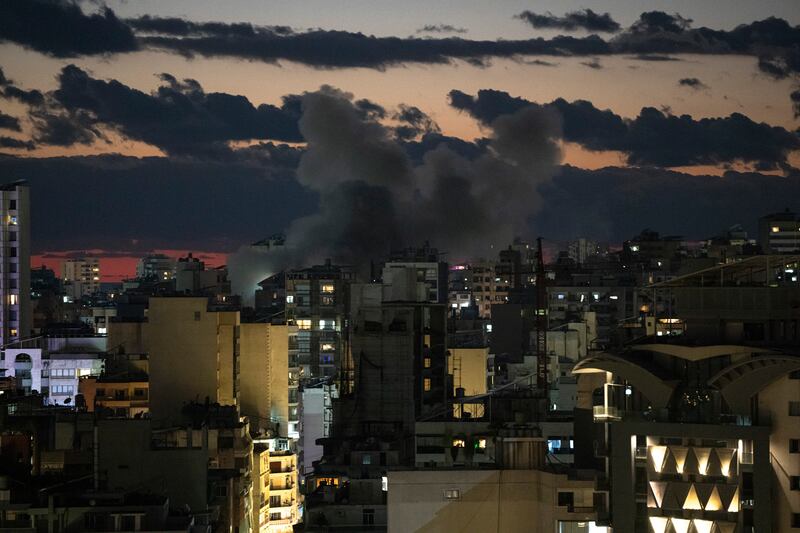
459,443
327,347
426,362
304,323
327,288
426,384
12,220
452,494
327,324
13,332
775,229
480,444
13,299
290,299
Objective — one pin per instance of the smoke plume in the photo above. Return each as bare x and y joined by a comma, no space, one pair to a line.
373,199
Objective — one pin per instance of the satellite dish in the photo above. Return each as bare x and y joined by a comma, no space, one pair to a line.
67,401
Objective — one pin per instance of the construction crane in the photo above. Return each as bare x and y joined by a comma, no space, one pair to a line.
541,321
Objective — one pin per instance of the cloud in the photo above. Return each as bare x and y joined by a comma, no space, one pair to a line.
659,22
692,83
653,57
60,28
441,28
179,26
795,98
7,122
576,20
179,117
415,123
594,63
17,144
654,137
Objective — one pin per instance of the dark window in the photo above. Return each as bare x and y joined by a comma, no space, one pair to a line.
127,522
197,315
796,520
566,499
794,482
794,445
12,251
12,204
368,517
795,375
794,408
225,443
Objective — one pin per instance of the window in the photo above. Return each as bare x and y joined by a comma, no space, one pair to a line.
12,204
794,408
327,300
366,459
452,494
459,443
796,520
327,347
368,517
794,482
61,390
326,359
426,384
794,445
197,315
304,323
792,375
62,372
328,325
327,288
426,362
290,299
566,499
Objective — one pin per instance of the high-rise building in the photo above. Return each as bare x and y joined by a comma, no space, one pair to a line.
81,276
779,233
15,270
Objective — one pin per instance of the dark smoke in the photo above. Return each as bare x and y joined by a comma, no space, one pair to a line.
374,199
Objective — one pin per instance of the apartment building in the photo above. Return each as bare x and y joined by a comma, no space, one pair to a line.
16,318
81,276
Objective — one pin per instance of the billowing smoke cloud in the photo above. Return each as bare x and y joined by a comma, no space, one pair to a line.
373,198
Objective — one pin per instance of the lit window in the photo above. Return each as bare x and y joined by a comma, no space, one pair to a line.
775,229
327,324
426,384
426,362
459,443
290,299
304,323
13,299
452,494
327,288
634,248
480,444
12,220
327,347
366,459
13,332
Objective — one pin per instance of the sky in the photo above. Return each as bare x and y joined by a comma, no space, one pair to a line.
204,125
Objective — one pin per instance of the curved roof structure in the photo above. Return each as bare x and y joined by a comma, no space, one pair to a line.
655,389
698,353
740,381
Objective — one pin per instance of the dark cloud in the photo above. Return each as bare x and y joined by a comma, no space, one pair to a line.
3,80
576,20
441,28
337,49
660,22
654,137
541,63
10,142
415,123
616,203
179,117
60,28
692,83
31,98
157,202
153,203
178,26
7,122
654,57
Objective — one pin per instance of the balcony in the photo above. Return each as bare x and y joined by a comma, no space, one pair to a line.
604,413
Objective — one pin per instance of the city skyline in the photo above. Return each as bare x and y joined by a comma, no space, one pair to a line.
661,107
